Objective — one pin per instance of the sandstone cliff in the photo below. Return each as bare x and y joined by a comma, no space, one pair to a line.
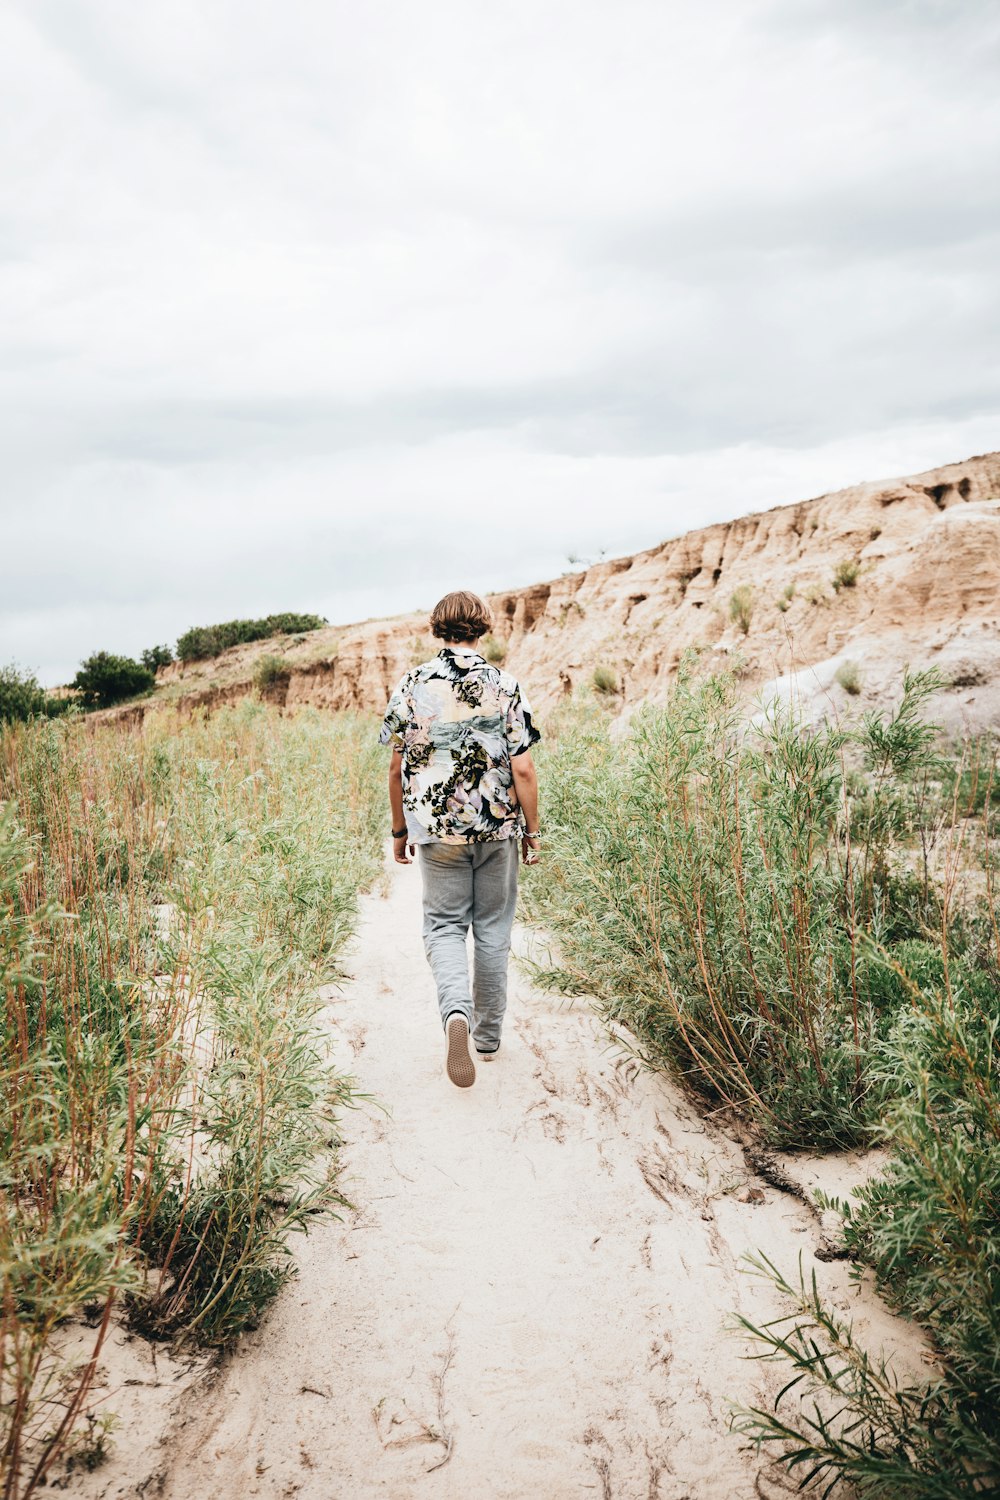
826,599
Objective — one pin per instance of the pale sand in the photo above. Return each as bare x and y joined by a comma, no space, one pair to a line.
529,1299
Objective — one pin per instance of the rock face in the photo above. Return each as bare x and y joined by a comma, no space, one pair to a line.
824,601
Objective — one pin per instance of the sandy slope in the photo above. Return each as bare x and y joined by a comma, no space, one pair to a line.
927,550
529,1299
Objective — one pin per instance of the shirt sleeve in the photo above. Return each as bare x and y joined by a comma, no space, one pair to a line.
397,717
521,732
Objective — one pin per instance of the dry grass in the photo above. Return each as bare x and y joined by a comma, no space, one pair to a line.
741,607
168,904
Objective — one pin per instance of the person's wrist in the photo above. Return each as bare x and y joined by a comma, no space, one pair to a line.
399,833
528,835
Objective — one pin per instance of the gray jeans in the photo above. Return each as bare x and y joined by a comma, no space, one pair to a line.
470,885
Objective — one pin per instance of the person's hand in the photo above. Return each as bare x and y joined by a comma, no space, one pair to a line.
399,853
530,850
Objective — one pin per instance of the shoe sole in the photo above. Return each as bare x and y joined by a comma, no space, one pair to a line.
458,1063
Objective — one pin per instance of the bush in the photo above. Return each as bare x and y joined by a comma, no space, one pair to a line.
741,607
845,574
166,1097
22,698
742,901
930,1228
203,641
854,1420
929,1225
969,779
493,649
104,679
155,657
848,675
605,680
785,597
702,886
270,670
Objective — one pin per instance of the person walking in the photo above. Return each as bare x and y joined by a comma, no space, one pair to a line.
464,796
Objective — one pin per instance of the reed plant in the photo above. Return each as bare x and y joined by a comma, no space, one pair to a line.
776,914
706,884
929,1226
843,1415
170,900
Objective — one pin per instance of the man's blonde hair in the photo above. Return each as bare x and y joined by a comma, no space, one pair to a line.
460,617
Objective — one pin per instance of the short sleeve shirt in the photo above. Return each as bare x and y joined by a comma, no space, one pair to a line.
458,721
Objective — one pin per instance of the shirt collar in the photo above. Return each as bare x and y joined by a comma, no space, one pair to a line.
466,653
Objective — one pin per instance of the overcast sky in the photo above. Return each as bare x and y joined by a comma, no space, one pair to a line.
327,306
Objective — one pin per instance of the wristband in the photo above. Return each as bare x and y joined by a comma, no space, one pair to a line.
400,833
531,835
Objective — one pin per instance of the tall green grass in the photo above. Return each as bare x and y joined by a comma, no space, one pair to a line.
802,925
718,888
169,902
929,1226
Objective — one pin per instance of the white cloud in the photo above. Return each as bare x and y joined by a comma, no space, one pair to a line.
316,305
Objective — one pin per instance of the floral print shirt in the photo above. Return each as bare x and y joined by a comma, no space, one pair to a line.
458,721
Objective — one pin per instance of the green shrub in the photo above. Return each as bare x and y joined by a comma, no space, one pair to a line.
701,885
605,680
785,597
166,1094
270,670
853,1419
930,1228
969,779
845,574
202,641
104,679
929,1225
493,649
698,894
889,977
753,909
155,657
741,607
22,698
887,805
848,675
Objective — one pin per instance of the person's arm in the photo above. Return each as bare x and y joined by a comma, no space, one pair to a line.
399,853
526,787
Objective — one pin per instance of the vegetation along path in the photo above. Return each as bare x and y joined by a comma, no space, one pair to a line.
530,1294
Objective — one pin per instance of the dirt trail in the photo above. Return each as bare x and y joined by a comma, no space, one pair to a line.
530,1296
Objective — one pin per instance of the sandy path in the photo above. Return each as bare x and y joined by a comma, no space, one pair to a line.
530,1297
